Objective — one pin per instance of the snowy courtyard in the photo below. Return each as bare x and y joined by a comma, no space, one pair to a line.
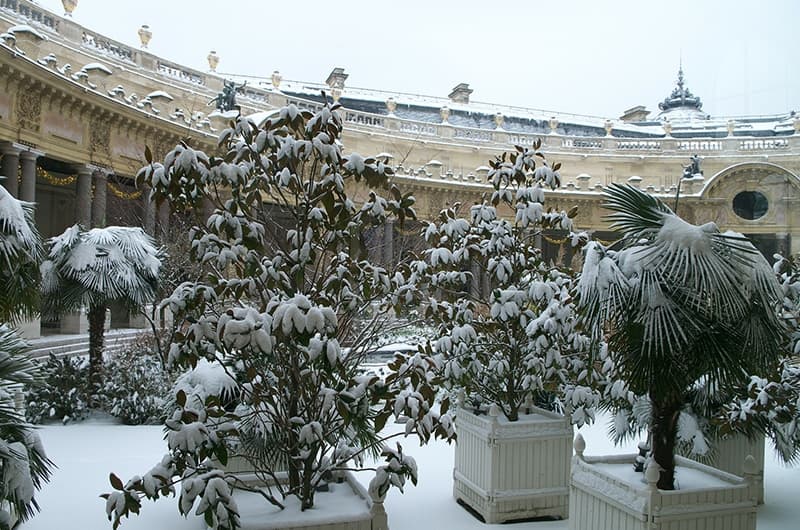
85,454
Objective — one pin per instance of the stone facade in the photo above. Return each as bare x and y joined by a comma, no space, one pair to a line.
77,110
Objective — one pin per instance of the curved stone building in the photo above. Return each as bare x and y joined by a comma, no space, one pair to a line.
77,110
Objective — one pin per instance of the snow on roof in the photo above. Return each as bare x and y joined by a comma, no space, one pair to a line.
159,94
24,28
97,66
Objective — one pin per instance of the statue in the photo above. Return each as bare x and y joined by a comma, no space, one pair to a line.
693,168
226,100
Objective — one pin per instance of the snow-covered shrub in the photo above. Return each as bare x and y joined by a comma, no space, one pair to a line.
136,386
24,466
519,344
691,317
61,392
289,308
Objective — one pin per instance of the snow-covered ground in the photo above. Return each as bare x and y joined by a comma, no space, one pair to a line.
85,454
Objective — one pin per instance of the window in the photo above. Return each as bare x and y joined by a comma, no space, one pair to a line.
750,205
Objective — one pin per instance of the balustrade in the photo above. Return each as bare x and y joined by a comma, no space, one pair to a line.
364,119
32,12
764,144
477,135
181,73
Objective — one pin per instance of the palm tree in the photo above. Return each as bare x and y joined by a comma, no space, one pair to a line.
20,255
24,467
91,269
678,304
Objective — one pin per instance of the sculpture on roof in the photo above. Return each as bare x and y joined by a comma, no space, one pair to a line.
226,100
693,168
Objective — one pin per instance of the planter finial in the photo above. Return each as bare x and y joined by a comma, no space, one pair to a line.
580,445
750,467
652,474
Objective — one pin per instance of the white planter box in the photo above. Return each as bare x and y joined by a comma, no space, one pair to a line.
729,455
347,506
507,471
605,494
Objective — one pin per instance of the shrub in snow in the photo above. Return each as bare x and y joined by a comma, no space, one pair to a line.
91,269
686,311
24,466
136,385
61,392
520,343
288,281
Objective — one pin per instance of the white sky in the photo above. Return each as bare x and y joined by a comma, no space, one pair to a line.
583,56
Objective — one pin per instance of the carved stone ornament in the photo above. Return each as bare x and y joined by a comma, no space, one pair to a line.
29,109
100,136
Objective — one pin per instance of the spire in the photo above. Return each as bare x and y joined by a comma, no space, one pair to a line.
681,96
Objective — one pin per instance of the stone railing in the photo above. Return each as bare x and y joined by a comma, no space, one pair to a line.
32,12
364,118
181,73
106,46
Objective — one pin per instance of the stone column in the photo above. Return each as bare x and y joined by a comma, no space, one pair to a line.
475,284
83,197
148,211
162,219
10,168
388,242
27,190
99,200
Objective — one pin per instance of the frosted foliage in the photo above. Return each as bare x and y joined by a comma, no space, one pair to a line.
289,283
20,254
19,237
517,343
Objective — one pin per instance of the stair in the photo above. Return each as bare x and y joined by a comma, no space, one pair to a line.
72,345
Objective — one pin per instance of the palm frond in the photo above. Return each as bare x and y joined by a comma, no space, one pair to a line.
636,214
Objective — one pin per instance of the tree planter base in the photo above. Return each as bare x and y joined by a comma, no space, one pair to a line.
347,506
605,494
730,452
506,471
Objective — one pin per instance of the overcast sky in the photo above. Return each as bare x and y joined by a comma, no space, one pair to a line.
583,56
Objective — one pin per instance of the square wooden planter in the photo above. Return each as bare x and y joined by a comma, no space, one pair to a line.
605,494
347,506
508,471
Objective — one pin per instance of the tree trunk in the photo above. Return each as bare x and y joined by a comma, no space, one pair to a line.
97,323
664,431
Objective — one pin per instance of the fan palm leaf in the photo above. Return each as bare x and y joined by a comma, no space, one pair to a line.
20,254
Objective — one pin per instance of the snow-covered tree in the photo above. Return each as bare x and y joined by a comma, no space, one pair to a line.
90,269
20,255
290,318
686,311
24,466
519,344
